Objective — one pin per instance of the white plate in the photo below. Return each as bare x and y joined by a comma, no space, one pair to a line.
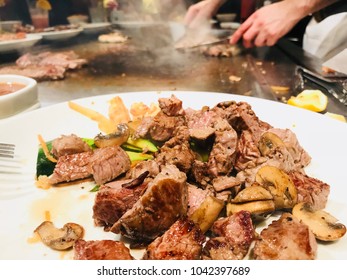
23,206
13,45
95,27
60,35
136,24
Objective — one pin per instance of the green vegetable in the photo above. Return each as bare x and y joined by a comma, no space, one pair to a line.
43,165
129,147
144,144
138,156
95,189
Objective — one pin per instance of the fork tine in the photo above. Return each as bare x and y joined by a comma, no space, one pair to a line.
7,150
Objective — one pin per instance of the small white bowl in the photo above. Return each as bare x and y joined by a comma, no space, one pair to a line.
22,100
226,17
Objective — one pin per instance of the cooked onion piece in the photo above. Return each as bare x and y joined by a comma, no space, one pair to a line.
59,238
323,225
279,184
113,139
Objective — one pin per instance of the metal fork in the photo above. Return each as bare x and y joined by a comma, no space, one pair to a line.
7,150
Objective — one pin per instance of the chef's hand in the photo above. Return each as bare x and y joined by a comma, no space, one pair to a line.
267,25
201,12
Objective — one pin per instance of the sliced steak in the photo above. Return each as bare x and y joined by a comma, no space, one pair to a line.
222,183
101,250
108,163
37,72
286,239
182,241
233,237
113,200
164,201
200,123
68,144
71,167
310,190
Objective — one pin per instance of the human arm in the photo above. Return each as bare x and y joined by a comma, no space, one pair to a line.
268,24
201,12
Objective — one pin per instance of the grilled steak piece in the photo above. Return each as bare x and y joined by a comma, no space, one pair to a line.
223,154
177,151
222,183
164,201
171,106
68,59
113,200
182,241
310,190
286,239
300,157
200,123
108,163
37,72
71,167
234,235
195,197
101,250
68,144
163,127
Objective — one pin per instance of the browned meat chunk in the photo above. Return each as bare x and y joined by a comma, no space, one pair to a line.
177,151
171,106
113,200
149,165
164,201
71,167
223,154
234,237
286,239
39,73
71,144
68,60
108,163
101,250
310,190
163,127
182,241
195,197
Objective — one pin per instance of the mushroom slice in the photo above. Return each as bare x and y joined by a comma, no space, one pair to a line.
258,209
279,184
255,192
59,238
207,212
113,139
324,226
269,142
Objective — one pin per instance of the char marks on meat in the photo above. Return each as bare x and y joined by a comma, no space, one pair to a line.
286,239
101,250
164,201
71,167
113,200
45,66
310,190
232,239
182,241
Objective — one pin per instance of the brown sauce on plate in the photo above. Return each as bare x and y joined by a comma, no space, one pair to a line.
6,88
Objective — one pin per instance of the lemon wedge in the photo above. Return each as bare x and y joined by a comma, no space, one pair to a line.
336,116
313,100
44,4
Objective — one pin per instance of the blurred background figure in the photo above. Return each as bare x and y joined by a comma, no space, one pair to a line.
15,10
